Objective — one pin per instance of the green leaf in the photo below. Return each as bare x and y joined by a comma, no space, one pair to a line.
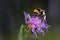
20,33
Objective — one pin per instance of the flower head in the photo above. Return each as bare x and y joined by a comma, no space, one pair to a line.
36,23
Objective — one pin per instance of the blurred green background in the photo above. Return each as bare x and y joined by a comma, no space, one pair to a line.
11,18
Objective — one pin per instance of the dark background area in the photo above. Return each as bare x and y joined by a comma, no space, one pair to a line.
11,16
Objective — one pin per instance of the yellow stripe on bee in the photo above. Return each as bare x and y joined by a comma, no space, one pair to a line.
35,10
43,12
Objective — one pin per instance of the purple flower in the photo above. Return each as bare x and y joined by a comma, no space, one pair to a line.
37,23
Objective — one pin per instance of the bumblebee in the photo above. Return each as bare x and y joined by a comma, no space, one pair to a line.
39,12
